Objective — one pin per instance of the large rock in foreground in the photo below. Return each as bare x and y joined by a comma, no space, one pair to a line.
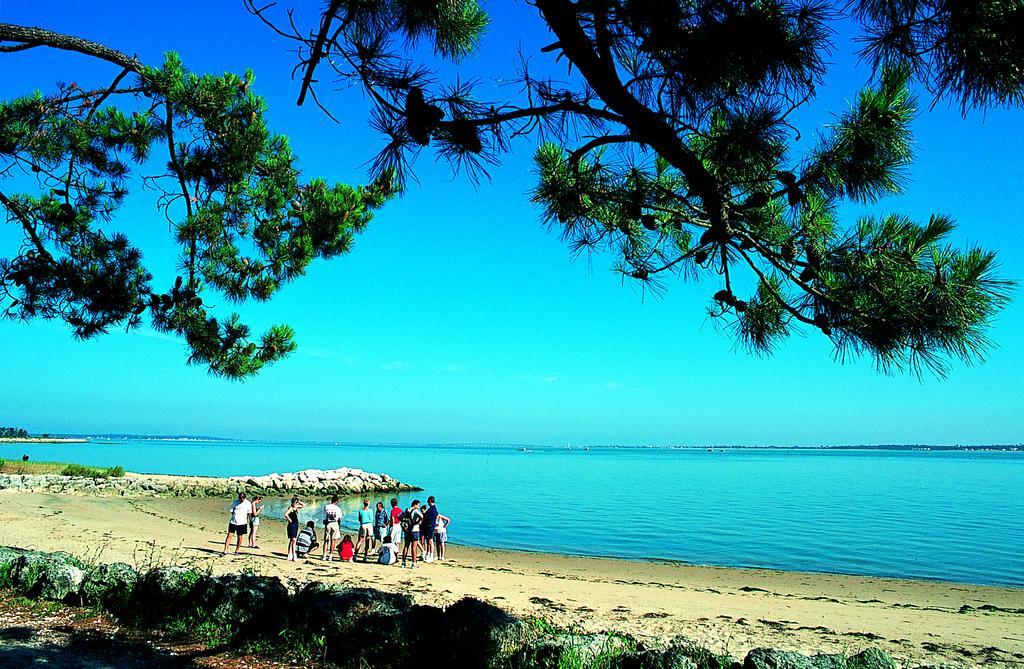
309,482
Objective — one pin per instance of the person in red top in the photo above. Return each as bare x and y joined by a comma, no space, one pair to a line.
347,549
396,522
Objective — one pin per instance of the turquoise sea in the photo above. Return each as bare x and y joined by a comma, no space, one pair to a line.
956,516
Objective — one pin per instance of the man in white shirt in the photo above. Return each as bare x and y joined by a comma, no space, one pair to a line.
332,528
238,523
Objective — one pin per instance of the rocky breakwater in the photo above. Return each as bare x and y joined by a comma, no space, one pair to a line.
309,482
344,481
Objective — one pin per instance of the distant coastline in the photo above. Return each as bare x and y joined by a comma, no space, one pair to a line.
77,438
147,437
43,440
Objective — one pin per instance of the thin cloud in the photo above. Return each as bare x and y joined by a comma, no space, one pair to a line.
455,368
329,354
395,366
618,386
541,378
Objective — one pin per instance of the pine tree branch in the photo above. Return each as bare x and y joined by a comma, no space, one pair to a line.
571,107
647,125
604,140
30,229
317,50
93,106
176,166
764,281
26,37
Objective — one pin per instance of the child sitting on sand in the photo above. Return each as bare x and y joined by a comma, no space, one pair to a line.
347,549
306,542
387,551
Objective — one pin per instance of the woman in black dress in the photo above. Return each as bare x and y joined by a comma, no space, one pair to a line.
292,518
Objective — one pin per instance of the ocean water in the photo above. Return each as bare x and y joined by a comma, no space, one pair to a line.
956,516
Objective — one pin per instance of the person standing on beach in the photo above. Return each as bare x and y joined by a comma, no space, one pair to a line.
441,535
427,529
332,530
423,535
365,537
411,520
254,520
396,522
381,524
238,524
291,516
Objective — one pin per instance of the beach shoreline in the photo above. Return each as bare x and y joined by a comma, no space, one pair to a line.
727,609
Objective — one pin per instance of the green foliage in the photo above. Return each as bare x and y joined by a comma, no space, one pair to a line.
200,625
671,146
14,432
245,223
969,50
579,653
291,643
927,301
38,606
704,658
456,27
866,156
92,472
764,321
542,625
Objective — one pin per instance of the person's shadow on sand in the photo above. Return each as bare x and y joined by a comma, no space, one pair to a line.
248,552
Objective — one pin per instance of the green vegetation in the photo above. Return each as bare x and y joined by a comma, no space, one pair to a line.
579,650
59,468
13,433
40,606
542,625
294,645
199,626
92,472
244,223
670,145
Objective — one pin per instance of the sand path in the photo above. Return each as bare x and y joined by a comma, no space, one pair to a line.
726,609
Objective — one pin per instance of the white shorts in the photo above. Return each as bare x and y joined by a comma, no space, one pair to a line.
333,531
366,530
255,522
396,534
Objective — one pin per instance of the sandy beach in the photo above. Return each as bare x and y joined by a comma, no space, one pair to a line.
726,609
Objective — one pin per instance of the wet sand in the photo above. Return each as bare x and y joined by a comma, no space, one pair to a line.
730,610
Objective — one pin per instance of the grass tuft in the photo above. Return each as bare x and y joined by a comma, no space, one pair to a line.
61,468
92,472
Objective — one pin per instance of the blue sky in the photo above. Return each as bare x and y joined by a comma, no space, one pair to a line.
459,318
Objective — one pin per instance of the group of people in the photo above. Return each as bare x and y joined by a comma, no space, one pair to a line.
413,535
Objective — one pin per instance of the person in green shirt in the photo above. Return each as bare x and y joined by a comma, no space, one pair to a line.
365,529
